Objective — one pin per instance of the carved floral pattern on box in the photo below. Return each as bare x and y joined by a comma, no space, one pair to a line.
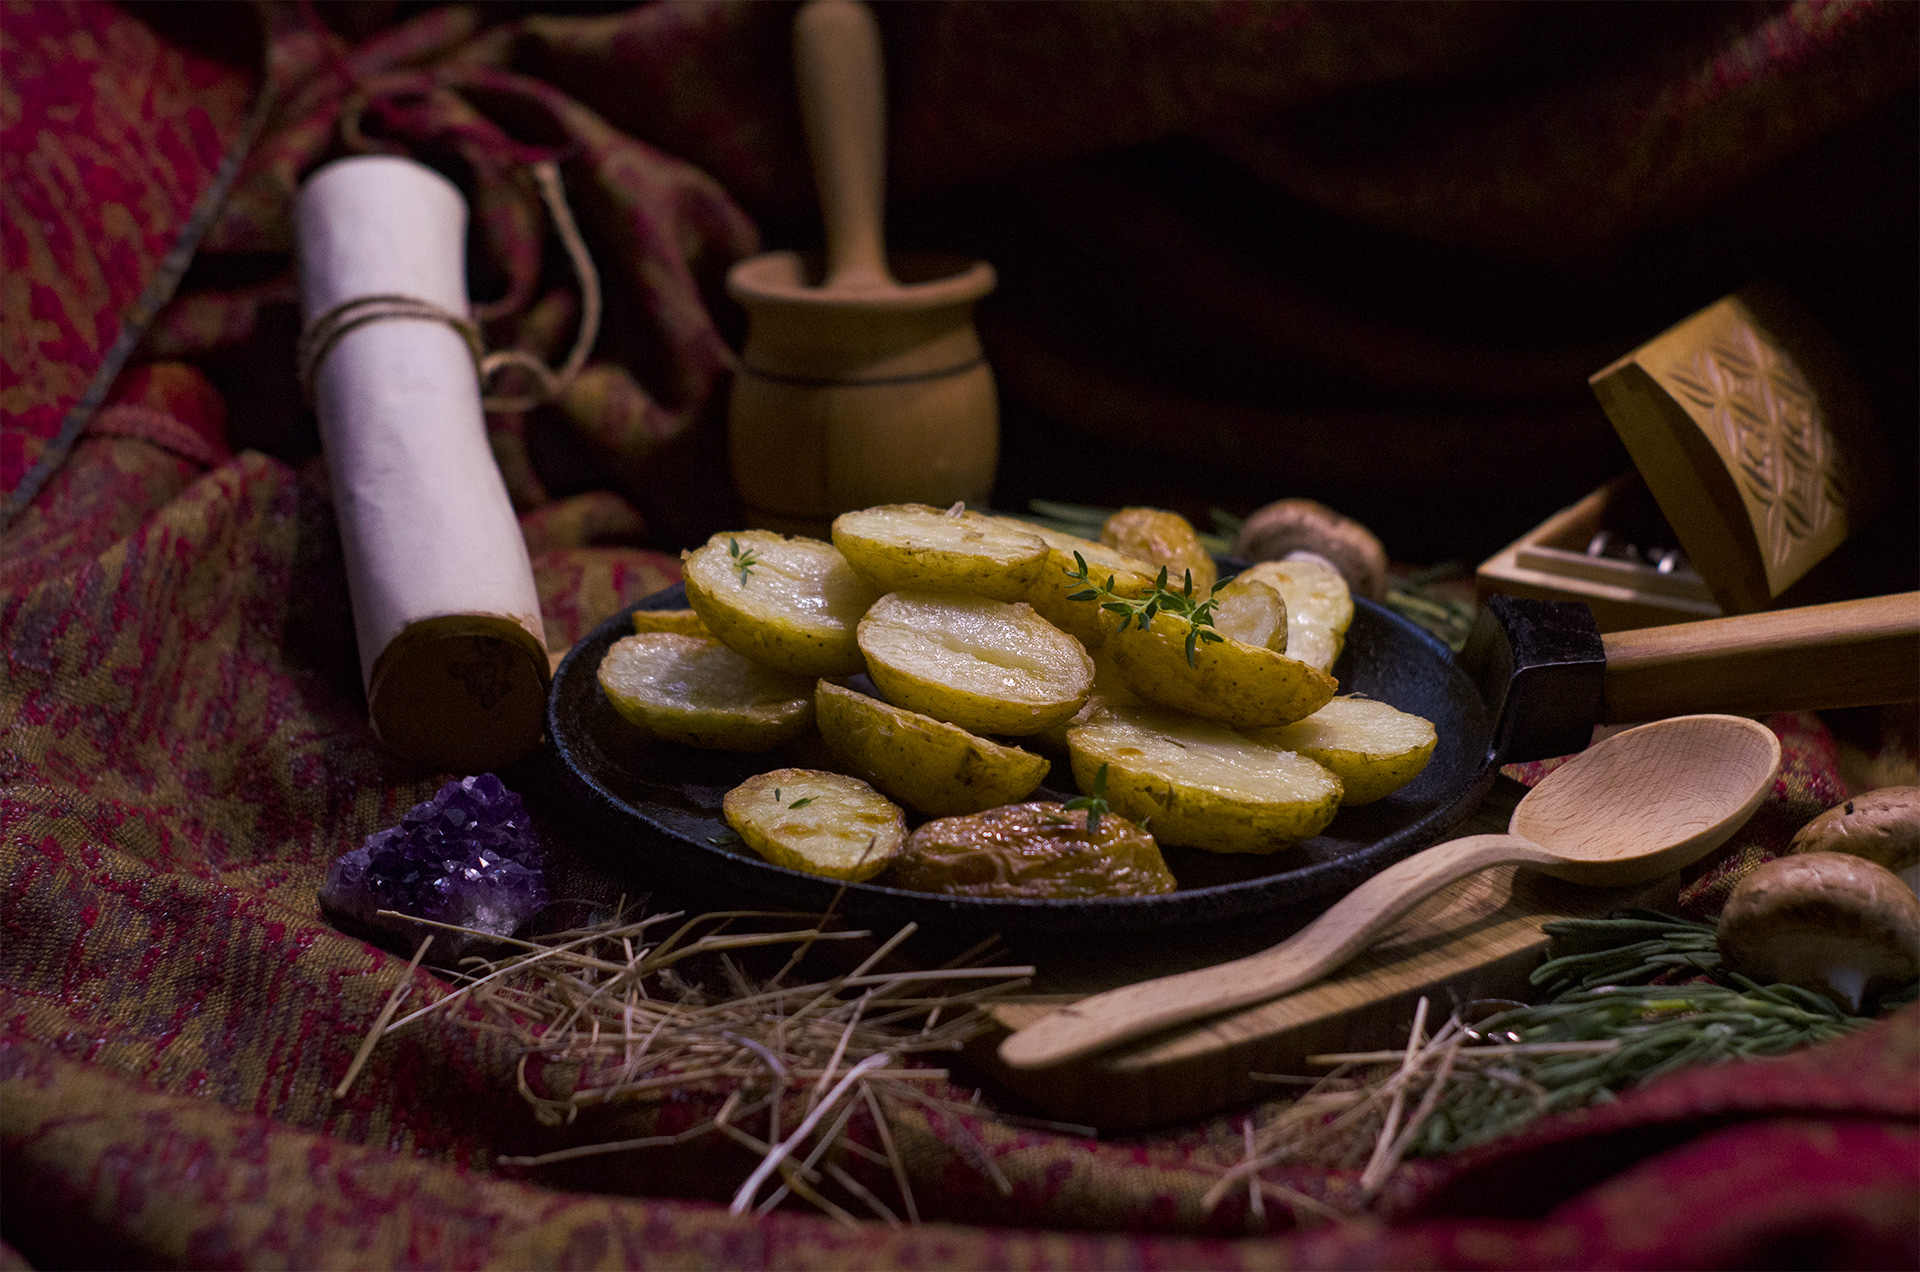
1755,406
1761,413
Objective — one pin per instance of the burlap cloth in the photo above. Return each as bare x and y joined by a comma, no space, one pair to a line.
185,745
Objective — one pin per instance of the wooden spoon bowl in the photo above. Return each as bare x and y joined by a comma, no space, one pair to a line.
1648,801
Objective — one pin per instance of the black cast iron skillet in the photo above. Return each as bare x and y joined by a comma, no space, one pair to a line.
1526,687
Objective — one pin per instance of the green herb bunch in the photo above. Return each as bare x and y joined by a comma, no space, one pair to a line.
1652,1029
1602,989
1161,599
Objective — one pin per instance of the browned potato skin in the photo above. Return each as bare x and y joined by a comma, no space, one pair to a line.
1163,538
1037,851
1240,685
680,622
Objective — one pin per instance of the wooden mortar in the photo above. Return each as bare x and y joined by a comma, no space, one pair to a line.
869,385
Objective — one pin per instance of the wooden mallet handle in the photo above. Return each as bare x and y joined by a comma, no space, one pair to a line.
1846,654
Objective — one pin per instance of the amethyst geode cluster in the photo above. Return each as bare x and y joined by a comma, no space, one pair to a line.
468,857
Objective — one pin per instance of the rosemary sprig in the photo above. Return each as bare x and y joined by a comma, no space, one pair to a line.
1597,1034
1095,804
1160,599
744,559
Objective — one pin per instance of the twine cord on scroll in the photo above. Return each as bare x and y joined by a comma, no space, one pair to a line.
326,329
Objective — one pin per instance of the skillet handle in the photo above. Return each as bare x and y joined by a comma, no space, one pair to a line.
1846,654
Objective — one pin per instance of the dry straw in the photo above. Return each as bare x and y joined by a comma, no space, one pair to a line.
638,1009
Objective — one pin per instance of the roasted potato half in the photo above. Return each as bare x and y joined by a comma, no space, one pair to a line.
1040,851
1374,749
928,764
790,602
682,622
1319,605
1162,538
987,666
823,823
1227,680
694,690
1198,784
1057,582
914,548
1252,613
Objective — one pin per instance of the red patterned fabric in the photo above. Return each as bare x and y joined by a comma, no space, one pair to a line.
112,139
183,743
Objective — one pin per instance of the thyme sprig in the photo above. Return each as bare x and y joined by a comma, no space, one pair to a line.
1094,804
744,559
1160,599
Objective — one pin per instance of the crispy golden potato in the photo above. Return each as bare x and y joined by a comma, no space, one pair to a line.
1162,538
1105,565
1036,851
914,548
1252,613
823,823
682,622
925,763
1319,605
1374,749
790,602
1238,684
987,666
1195,783
693,689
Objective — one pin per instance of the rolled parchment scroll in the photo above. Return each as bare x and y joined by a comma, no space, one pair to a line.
451,648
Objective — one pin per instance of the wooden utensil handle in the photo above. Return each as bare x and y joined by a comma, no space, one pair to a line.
1847,654
1350,925
837,60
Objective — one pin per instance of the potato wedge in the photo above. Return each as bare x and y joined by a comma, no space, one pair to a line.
683,622
1162,538
1374,749
1037,851
822,823
987,666
1319,605
914,548
1252,613
925,763
1238,684
793,605
1201,785
694,690
1084,619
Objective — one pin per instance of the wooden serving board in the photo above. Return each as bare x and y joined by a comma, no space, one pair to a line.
1478,938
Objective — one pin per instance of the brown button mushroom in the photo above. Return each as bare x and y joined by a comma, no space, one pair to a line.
1301,525
1882,825
1832,923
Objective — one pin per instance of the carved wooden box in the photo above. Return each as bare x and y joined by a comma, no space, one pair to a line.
1753,439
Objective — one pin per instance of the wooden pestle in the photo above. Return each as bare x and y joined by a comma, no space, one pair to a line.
842,78
869,385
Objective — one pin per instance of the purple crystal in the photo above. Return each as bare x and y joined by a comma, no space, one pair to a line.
468,856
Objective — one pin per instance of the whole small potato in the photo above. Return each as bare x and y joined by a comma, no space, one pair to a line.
1163,538
1038,851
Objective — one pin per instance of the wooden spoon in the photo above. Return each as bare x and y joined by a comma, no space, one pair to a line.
1628,810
